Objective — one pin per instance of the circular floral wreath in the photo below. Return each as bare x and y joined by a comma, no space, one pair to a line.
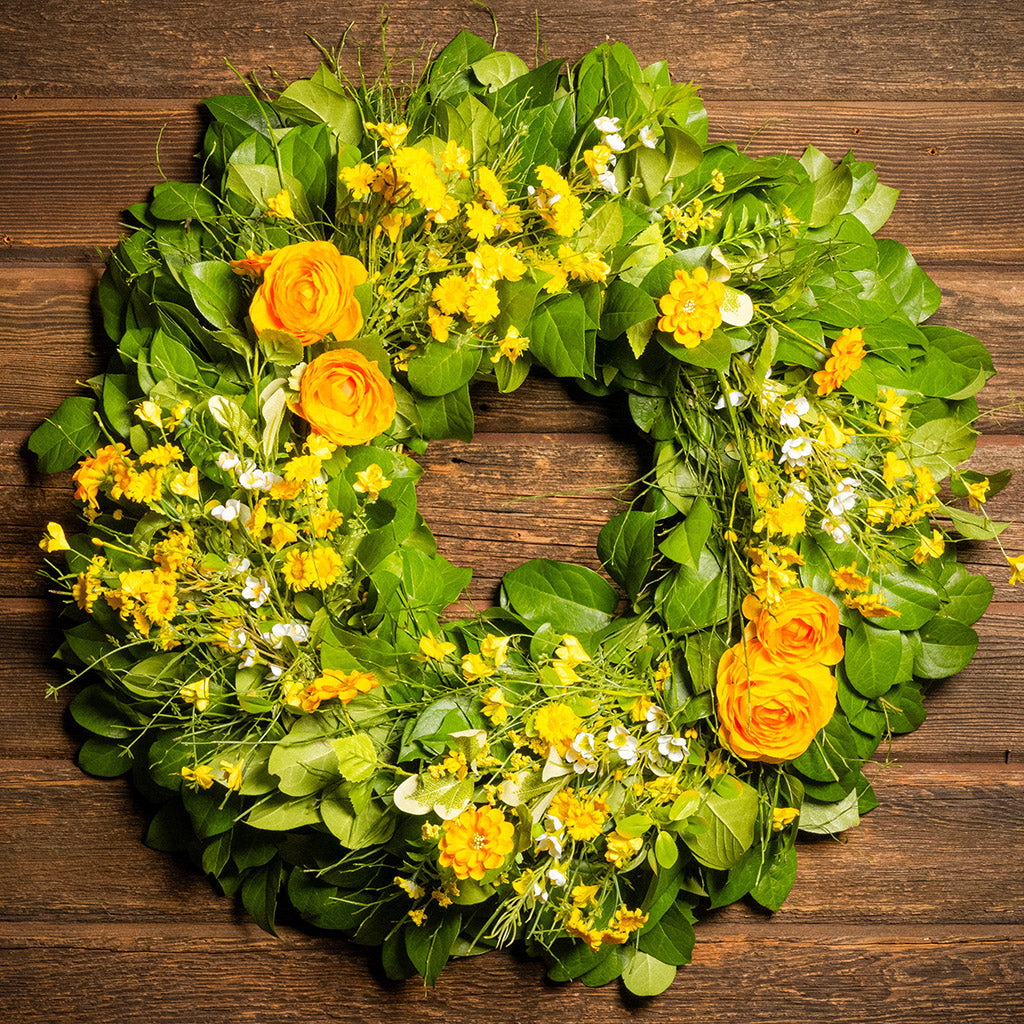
260,610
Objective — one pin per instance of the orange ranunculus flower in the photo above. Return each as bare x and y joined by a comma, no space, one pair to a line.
770,711
308,290
801,628
345,397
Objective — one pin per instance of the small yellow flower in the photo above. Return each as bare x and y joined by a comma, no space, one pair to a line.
417,917
54,539
871,606
847,578
318,445
412,889
201,776
495,648
571,651
371,481
474,667
358,179
440,324
783,816
149,412
582,895
620,847
890,408
232,774
392,135
977,492
929,547
432,649
495,705
512,346
1016,568
186,484
280,206
197,693
717,180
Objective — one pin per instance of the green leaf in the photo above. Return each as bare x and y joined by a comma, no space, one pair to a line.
713,354
70,433
558,337
445,367
947,647
104,758
624,306
872,659
625,546
215,290
281,347
448,416
181,200
647,976
828,819
776,879
259,894
373,825
312,103
283,813
730,818
357,756
685,541
571,598
97,709
693,598
429,945
498,69
967,595
671,939
971,526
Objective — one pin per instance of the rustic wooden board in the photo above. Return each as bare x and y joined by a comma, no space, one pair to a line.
951,163
917,916
947,50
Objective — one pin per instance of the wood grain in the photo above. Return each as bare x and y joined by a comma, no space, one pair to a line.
947,50
915,917
951,164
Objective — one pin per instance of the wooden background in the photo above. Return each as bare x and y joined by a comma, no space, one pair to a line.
918,915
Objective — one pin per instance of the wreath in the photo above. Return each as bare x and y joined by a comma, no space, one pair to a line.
260,611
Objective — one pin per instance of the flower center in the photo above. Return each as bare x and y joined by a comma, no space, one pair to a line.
479,841
689,306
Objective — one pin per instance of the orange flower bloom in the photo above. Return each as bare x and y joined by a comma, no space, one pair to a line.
308,290
345,397
801,628
253,264
846,355
477,841
345,686
93,471
769,711
692,307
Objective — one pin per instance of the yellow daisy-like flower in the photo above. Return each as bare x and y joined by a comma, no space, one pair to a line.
280,206
358,179
327,565
495,648
161,455
482,305
846,577
232,774
481,223
455,159
54,539
451,293
556,725
440,324
476,842
977,493
584,820
298,569
691,310
620,847
890,408
371,481
490,188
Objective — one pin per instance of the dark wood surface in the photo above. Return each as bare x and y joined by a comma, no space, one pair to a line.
916,916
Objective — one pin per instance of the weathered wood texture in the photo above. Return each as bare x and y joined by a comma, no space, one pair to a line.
916,916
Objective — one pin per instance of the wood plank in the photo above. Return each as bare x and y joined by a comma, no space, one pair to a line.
872,977
956,165
948,50
79,858
969,719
